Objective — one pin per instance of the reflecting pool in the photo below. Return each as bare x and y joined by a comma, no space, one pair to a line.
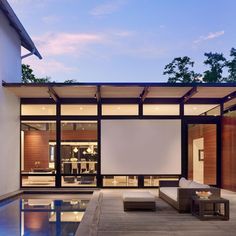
42,215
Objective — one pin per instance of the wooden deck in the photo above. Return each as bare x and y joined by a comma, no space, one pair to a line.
109,219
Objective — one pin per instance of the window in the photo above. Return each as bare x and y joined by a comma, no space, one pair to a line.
201,109
119,110
38,110
161,109
120,181
79,181
154,181
38,153
79,152
79,110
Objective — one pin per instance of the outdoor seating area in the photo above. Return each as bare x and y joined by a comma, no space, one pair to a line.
179,193
106,215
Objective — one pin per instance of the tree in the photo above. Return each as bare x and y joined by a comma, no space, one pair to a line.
29,77
216,62
180,70
231,65
27,74
69,81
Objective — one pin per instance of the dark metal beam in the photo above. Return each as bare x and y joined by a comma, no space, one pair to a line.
189,94
144,93
53,94
98,93
229,97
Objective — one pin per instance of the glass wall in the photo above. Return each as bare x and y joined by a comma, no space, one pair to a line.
79,110
120,109
38,153
161,109
120,181
201,109
38,110
154,181
79,153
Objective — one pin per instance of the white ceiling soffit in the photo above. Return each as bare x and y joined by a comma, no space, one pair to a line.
75,91
121,91
213,92
30,92
167,92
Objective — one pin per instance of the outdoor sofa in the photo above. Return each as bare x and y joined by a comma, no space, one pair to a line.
179,193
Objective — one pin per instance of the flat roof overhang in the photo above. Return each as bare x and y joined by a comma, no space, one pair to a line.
220,92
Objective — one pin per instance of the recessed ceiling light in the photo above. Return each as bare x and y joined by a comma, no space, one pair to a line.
81,108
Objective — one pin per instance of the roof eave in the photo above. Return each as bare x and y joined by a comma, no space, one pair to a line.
26,41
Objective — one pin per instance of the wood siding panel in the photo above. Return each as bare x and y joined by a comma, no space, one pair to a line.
229,153
36,148
208,133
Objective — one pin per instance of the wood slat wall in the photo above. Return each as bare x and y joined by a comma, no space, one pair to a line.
229,153
36,148
36,144
208,132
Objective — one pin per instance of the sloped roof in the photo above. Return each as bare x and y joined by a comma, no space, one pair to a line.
26,41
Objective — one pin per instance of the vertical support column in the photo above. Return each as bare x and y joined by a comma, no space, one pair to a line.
140,109
58,142
140,181
140,113
99,177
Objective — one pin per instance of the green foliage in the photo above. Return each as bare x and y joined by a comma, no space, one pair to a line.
69,81
180,70
231,65
29,77
27,74
216,62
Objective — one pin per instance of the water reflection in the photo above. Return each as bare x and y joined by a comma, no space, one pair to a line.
41,217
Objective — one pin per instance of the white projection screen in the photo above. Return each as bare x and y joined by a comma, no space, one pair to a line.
140,147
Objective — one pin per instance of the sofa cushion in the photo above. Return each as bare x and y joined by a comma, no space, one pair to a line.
194,184
171,192
138,197
184,183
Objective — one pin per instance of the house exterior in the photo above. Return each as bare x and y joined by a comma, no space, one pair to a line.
12,37
98,135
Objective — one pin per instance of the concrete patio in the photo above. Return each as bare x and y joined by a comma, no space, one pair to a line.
105,216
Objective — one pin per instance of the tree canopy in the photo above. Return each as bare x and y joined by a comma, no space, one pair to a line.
181,70
29,77
219,69
216,62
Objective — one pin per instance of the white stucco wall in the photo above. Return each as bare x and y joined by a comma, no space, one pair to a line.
10,71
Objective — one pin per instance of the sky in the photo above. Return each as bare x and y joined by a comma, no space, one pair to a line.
123,40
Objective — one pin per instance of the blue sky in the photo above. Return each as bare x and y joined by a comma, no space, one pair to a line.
123,40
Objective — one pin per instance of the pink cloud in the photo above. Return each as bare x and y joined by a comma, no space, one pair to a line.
65,43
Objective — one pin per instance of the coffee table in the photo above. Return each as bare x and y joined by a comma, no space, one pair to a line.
219,208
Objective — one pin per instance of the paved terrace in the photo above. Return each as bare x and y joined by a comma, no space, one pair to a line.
105,217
